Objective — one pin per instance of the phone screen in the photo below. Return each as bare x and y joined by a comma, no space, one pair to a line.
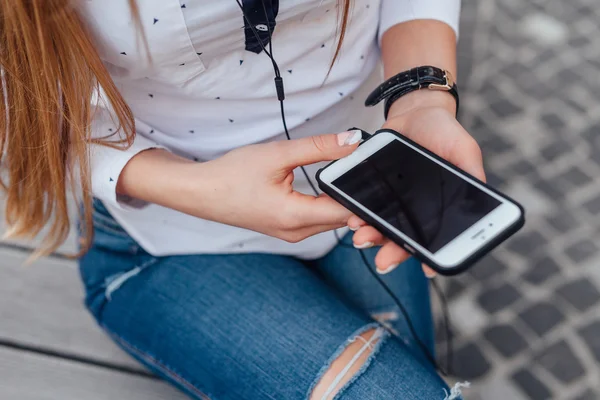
417,196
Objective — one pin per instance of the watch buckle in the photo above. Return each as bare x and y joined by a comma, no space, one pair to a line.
447,86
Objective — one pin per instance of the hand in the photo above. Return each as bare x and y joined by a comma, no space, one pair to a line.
251,187
428,118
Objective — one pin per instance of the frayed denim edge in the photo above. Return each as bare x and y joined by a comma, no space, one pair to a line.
340,350
114,282
455,393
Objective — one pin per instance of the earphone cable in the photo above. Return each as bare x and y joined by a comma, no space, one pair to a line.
281,96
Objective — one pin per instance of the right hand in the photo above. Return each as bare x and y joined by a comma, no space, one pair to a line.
251,187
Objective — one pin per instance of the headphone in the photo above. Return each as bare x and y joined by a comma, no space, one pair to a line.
279,87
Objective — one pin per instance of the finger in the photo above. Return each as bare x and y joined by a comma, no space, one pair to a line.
313,149
355,222
309,231
317,211
429,273
389,257
367,237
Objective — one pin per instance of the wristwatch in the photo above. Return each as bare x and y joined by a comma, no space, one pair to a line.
426,77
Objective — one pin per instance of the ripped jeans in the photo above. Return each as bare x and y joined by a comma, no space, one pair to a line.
262,326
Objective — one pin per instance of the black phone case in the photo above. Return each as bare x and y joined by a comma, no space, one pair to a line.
422,257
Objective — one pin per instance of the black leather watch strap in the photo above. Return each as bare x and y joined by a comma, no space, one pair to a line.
426,77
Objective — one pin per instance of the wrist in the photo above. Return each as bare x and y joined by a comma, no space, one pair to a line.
421,99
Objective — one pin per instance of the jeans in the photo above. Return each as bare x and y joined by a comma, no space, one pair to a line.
259,326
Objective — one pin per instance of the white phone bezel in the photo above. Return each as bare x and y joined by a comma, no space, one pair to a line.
464,245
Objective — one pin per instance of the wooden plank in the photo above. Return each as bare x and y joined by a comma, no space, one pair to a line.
29,376
69,247
42,305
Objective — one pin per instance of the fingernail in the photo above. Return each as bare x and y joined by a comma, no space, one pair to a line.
353,228
349,138
388,269
365,245
430,274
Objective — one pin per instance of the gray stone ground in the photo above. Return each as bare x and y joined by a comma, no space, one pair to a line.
527,319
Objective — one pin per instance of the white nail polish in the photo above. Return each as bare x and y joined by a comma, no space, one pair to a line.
353,228
365,245
388,269
354,137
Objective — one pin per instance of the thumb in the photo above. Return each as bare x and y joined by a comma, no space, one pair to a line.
314,149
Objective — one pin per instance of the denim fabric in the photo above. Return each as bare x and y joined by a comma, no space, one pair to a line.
257,326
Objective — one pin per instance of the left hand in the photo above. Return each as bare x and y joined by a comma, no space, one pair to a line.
428,118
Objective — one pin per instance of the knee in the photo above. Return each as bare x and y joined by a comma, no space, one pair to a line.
348,364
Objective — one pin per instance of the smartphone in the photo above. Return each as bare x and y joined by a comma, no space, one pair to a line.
442,215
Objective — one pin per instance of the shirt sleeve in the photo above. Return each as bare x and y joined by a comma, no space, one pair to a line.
397,11
107,163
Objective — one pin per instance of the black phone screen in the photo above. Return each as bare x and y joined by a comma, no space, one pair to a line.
417,196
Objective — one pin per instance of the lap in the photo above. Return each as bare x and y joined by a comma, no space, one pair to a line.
248,326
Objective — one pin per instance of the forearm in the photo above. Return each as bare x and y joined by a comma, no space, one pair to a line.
417,43
160,177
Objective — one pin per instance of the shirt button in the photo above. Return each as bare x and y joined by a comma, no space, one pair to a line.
262,27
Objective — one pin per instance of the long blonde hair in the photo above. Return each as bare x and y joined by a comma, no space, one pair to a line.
50,70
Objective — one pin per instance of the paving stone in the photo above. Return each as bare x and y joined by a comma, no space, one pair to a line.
555,150
487,268
582,250
560,361
515,69
535,202
494,299
496,144
591,335
541,317
454,288
552,121
505,108
549,189
505,339
496,388
563,221
469,362
587,394
573,177
574,105
581,293
591,132
541,270
531,385
524,243
593,205
522,167
467,318
580,41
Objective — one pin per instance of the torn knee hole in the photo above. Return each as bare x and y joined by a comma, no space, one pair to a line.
387,316
348,364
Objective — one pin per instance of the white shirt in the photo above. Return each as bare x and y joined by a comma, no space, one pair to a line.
203,95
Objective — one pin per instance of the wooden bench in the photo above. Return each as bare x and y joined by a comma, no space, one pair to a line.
50,347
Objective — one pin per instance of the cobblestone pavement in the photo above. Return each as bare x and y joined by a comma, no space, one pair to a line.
527,318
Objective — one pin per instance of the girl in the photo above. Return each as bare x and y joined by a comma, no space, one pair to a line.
212,263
